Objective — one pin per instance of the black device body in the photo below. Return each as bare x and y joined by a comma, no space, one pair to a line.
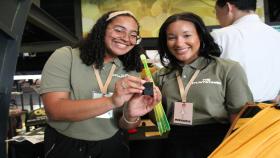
149,90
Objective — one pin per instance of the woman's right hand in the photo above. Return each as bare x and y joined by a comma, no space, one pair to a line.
125,88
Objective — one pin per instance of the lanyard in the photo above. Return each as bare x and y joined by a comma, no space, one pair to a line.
184,93
103,88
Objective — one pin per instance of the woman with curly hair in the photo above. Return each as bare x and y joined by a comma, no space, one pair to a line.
93,91
203,93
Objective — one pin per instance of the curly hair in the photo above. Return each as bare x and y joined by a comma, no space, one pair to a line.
207,45
93,48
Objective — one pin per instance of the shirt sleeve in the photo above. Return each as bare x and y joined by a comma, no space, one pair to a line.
158,77
57,72
237,90
216,36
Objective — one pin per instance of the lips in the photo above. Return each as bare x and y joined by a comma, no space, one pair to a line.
181,50
121,45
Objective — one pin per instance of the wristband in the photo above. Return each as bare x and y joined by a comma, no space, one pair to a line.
130,122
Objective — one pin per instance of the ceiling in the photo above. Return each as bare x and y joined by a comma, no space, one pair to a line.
51,24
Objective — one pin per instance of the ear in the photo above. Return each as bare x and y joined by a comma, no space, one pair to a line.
229,7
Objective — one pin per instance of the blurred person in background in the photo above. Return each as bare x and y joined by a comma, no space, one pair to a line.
255,45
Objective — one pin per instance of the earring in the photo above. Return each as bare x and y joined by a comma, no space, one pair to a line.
203,45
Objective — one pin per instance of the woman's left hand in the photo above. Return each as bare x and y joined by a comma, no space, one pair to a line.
140,105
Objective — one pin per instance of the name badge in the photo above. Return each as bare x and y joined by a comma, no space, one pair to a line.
183,113
109,114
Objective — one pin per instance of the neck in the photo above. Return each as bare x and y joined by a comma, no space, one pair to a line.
240,13
108,58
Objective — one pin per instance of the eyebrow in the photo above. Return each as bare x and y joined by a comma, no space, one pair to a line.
187,31
119,26
171,34
125,28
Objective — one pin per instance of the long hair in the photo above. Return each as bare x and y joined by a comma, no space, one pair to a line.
240,4
207,45
93,49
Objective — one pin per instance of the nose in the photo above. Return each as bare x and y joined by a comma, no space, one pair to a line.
125,36
179,41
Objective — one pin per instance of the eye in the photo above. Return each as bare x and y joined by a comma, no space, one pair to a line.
187,36
119,29
171,38
134,34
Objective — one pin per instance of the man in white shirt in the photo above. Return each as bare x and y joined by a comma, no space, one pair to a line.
255,45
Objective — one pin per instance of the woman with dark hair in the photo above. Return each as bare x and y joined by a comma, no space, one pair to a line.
94,42
93,91
202,93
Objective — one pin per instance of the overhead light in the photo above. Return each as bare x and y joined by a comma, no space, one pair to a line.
27,77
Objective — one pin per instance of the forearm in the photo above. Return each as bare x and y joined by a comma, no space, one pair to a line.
78,110
129,125
127,122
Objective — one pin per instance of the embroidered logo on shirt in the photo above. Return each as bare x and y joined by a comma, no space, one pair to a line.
120,75
207,81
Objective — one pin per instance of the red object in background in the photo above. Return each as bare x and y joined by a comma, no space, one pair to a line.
132,131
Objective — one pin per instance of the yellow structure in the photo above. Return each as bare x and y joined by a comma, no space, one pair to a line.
257,138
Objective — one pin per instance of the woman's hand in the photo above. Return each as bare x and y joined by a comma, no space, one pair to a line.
140,105
125,88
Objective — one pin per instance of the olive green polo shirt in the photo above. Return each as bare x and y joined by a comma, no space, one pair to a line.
65,72
220,89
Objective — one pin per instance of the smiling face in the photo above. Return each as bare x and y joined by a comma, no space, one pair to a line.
183,41
120,35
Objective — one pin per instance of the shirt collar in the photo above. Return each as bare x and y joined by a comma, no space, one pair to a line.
247,18
117,62
199,63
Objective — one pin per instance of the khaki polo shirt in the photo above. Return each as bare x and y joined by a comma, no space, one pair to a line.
65,71
220,89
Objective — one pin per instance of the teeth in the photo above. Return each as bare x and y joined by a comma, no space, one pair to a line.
120,45
182,50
